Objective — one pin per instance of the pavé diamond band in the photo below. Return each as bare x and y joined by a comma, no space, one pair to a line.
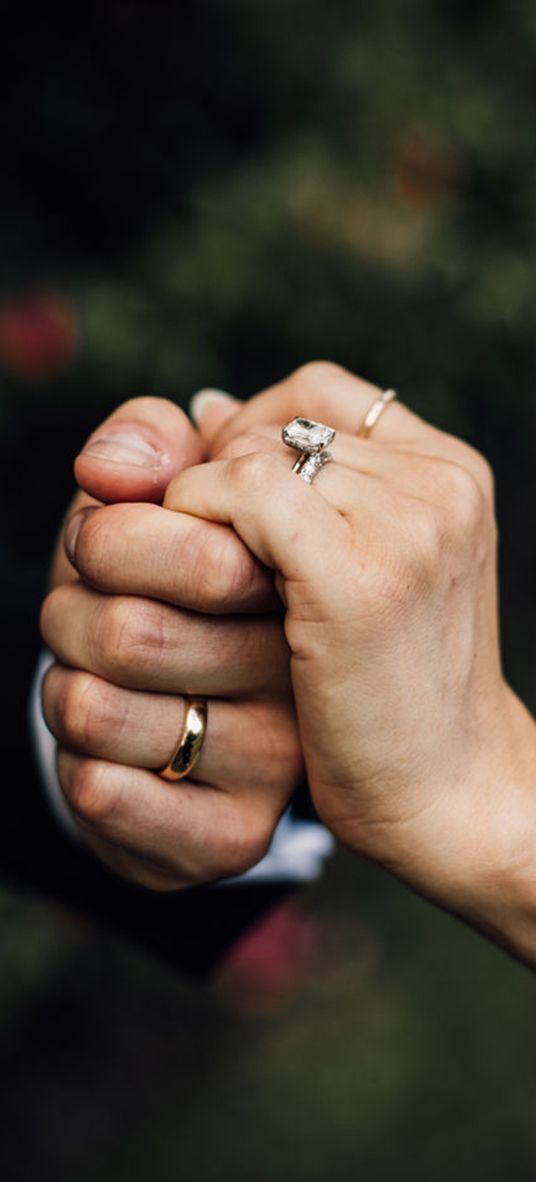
312,441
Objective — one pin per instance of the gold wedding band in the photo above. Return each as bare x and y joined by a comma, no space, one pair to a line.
190,743
374,412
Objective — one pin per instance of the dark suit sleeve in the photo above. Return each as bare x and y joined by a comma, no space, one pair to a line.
189,930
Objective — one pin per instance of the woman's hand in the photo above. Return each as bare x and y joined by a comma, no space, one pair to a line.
151,606
417,752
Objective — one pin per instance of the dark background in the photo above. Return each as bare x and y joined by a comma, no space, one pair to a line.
211,196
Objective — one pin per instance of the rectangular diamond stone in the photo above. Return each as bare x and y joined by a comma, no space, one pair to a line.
305,435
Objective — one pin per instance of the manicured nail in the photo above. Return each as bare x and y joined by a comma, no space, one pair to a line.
204,400
71,534
124,447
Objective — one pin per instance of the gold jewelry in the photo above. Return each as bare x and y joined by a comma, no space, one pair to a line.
190,743
374,412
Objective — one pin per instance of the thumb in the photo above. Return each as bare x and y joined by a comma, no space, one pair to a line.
135,453
211,409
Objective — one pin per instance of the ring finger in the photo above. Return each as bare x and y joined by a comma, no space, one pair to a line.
393,467
246,743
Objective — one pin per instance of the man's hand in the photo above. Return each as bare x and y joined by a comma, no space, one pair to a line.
131,621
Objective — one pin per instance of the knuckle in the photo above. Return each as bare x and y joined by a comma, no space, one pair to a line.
426,537
244,844
254,472
406,567
88,711
465,501
395,578
93,546
91,792
316,375
479,467
485,475
240,445
104,543
78,709
433,541
49,700
221,569
113,634
130,636
47,614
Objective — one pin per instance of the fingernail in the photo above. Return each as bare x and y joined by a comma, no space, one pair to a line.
124,447
204,399
71,535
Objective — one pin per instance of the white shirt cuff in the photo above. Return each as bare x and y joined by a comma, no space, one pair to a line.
45,748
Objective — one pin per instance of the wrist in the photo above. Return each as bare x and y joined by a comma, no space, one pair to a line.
508,881
473,850
495,886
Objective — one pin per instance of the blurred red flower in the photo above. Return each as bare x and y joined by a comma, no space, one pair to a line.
37,335
270,962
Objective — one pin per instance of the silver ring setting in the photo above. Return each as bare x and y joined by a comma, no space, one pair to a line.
311,440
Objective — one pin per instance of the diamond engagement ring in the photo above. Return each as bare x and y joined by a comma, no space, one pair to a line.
311,440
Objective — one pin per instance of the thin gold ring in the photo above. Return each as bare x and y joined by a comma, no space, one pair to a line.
374,412
190,742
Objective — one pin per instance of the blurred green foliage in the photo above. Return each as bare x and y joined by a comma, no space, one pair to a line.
219,199
214,198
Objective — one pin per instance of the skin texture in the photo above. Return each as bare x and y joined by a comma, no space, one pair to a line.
417,752
152,605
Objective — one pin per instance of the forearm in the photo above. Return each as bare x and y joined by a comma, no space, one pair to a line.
507,908
478,858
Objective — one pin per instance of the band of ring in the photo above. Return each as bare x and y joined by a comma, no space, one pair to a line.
374,412
311,440
307,465
190,742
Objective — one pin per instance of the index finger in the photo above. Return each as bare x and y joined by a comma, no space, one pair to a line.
170,556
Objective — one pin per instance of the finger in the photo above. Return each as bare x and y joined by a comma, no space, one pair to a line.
145,550
247,744
280,518
134,454
187,830
402,469
335,482
147,645
329,394
211,409
62,570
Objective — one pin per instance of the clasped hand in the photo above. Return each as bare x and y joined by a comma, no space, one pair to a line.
349,627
